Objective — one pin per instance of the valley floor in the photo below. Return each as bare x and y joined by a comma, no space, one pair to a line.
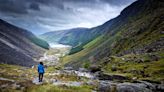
21,79
118,74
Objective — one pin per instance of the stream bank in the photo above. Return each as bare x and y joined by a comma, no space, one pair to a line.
115,83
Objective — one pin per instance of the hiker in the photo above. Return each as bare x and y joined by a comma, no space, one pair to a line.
41,71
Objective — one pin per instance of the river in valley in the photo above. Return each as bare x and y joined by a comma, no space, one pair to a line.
52,56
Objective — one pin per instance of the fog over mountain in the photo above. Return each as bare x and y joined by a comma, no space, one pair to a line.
40,16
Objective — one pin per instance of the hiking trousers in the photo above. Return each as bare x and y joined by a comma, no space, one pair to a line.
40,77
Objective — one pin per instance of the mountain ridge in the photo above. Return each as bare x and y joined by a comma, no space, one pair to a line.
123,32
19,46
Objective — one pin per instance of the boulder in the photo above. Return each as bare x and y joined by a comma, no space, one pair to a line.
111,77
132,87
94,68
160,87
108,86
154,57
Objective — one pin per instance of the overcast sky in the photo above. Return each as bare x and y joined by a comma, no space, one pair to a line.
40,16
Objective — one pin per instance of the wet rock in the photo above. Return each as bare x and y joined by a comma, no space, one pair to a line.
160,87
154,57
138,86
148,85
131,87
107,86
94,68
92,82
83,70
111,77
162,32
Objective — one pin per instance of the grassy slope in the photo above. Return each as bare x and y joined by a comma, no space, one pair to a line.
39,42
137,32
80,55
142,32
146,70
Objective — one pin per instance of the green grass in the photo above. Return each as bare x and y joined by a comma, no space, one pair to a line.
39,42
76,49
94,42
51,69
16,72
137,32
152,70
80,56
23,76
52,88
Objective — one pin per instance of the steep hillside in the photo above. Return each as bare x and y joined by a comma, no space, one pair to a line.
53,37
64,36
18,46
137,30
76,38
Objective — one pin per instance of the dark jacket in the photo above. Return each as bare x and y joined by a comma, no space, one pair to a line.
40,68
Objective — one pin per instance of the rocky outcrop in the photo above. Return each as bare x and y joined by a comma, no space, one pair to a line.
108,86
102,76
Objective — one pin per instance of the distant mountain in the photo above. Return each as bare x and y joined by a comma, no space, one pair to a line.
19,46
62,35
76,37
137,30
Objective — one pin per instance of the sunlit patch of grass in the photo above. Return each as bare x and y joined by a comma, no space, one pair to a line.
51,68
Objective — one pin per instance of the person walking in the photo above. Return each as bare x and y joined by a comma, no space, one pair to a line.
41,71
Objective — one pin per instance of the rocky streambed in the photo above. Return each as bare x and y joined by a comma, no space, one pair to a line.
100,81
103,82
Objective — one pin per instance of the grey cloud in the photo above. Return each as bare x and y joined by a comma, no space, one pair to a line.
10,6
117,2
48,15
43,1
34,6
